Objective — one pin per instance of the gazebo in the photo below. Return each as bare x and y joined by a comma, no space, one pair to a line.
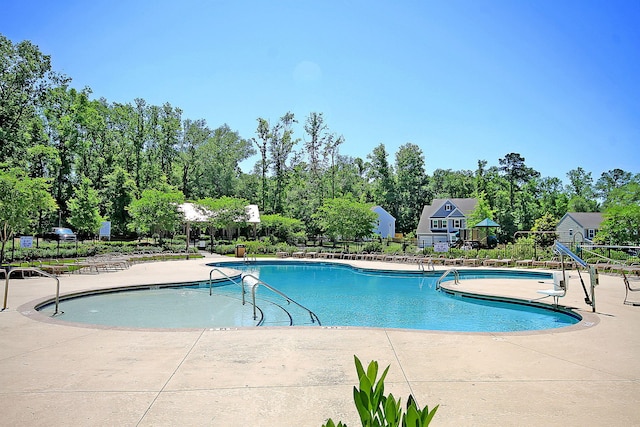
192,213
487,224
196,214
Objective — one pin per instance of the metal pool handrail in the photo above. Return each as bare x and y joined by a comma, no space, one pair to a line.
456,277
9,272
228,278
429,265
266,285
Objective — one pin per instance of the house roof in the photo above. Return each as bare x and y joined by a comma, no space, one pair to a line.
382,212
587,220
464,206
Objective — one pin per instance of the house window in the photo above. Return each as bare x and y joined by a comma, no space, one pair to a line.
438,224
456,223
591,233
447,207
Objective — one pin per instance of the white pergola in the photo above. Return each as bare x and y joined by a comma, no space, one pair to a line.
192,213
197,214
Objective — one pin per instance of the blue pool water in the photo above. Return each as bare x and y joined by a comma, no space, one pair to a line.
339,295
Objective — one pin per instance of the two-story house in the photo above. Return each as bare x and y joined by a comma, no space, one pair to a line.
442,219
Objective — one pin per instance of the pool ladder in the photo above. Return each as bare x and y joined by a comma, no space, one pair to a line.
421,265
254,285
456,277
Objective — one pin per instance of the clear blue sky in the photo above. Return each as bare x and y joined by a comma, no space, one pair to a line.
557,81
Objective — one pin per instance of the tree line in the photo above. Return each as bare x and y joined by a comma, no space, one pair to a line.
71,158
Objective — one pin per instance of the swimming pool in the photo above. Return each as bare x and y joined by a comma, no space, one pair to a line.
340,295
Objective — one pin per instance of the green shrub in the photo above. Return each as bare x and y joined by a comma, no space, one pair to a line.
376,409
372,247
224,249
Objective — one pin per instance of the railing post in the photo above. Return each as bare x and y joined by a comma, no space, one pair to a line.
8,276
6,288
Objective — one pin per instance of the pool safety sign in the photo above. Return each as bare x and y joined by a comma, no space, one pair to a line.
26,241
105,230
441,246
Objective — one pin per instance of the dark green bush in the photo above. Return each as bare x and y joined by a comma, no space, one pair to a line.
372,247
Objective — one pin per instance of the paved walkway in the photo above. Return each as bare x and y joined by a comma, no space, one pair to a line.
56,374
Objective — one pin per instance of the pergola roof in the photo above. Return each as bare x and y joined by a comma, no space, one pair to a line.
194,213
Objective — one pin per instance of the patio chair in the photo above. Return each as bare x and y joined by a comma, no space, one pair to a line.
631,269
627,289
524,263
473,262
538,263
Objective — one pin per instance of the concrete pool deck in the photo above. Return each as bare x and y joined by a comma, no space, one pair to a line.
57,374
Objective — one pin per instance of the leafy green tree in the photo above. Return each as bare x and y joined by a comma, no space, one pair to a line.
138,137
621,225
301,200
84,209
63,113
382,179
504,214
281,144
156,212
516,173
520,211
551,198
446,183
581,192
493,185
527,207
281,227
350,177
25,79
411,187
42,161
330,153
119,192
22,200
317,131
195,135
262,142
225,213
169,122
218,159
346,219
611,180
480,177
546,224
481,211
90,146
